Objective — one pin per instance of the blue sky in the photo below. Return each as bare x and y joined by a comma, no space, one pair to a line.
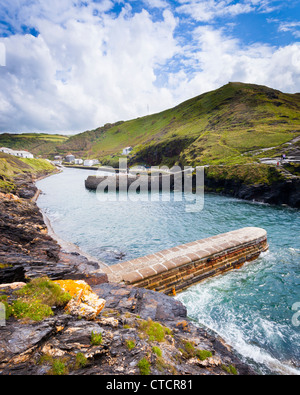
68,66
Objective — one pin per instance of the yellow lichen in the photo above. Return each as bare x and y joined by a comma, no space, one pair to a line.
74,287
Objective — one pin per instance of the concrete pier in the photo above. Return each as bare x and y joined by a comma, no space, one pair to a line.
175,269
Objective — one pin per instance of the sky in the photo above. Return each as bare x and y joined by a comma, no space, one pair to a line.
67,66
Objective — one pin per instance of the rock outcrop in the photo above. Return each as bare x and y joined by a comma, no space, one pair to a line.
284,191
136,325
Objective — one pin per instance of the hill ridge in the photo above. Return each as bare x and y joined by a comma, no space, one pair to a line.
217,127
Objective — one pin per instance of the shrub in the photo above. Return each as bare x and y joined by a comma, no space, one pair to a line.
144,366
157,351
230,369
130,344
81,361
96,339
58,368
154,330
36,298
203,354
46,291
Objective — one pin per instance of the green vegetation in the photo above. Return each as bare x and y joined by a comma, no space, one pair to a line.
230,125
37,143
230,369
157,351
12,167
154,330
96,339
189,351
81,361
130,344
293,168
58,366
203,354
144,366
61,366
247,174
223,126
34,300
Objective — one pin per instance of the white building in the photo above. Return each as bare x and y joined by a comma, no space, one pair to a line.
20,154
127,150
6,150
91,162
23,154
78,161
70,158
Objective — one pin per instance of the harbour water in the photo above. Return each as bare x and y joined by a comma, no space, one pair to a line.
254,309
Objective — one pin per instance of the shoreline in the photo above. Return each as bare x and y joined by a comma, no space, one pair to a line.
68,246
65,245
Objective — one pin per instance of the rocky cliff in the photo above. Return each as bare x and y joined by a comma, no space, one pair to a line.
267,184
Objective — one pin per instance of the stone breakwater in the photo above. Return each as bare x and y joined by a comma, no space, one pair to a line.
175,269
123,182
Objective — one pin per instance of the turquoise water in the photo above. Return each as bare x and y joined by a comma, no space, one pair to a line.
250,308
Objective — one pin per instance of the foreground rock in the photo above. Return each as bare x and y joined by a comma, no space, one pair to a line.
116,341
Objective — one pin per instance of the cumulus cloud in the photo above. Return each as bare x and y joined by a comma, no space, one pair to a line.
220,58
81,73
73,66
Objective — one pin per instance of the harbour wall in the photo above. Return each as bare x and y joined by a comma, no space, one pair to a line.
174,270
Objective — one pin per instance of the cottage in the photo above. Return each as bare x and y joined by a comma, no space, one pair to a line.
6,150
78,161
70,158
20,154
23,154
127,150
91,162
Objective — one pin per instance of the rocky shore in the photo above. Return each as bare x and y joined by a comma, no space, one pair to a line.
138,332
274,186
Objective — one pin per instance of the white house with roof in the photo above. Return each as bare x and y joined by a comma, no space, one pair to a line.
20,154
91,162
127,150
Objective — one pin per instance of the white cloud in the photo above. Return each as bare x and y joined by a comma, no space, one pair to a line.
220,59
208,10
88,67
293,27
81,74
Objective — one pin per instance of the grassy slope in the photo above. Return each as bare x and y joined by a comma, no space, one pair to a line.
221,126
37,143
224,126
12,167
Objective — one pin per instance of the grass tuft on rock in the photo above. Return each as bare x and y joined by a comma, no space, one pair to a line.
36,299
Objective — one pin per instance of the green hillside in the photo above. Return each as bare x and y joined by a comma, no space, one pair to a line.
222,126
12,169
37,143
229,125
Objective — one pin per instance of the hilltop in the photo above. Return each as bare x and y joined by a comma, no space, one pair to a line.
232,124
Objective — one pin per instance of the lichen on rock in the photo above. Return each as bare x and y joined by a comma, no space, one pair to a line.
84,303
